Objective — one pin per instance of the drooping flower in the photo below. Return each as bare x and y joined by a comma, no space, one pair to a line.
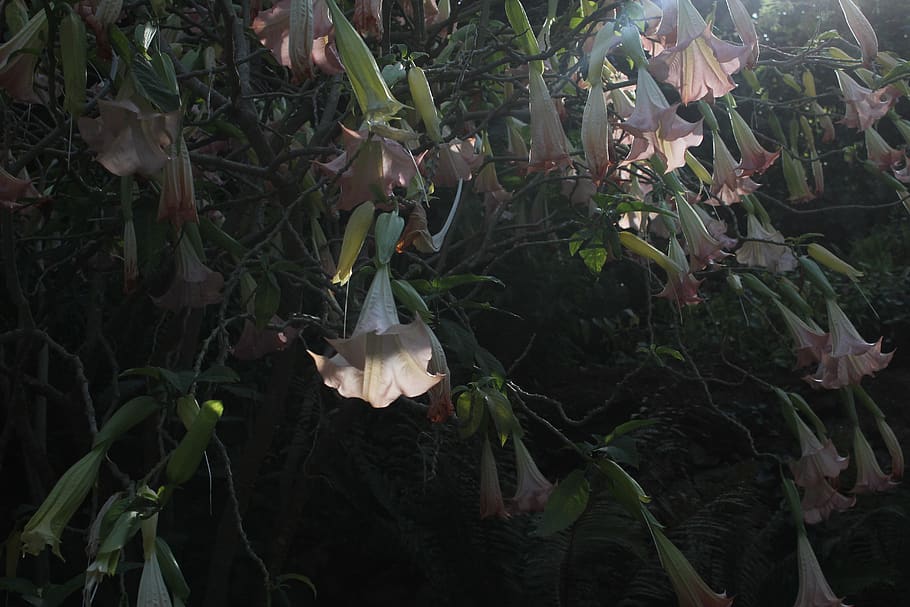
273,26
491,502
814,590
370,167
880,153
128,139
755,158
848,358
691,590
255,342
441,407
893,446
657,127
455,161
177,202
681,287
14,188
194,284
795,178
368,18
864,106
811,341
765,248
18,57
745,27
46,525
700,64
817,464
703,248
549,147
869,475
533,487
487,183
596,134
728,185
862,30
383,359
153,590
717,229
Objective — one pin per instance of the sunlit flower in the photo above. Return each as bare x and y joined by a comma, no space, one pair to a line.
657,128
700,64
745,27
46,525
728,185
533,487
370,167
717,229
549,147
491,502
755,158
765,248
864,106
862,30
383,359
194,284
18,57
691,590
814,590
273,28
128,139
869,475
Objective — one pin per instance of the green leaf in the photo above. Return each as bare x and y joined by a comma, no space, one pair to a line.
154,86
219,374
501,411
594,258
899,72
181,381
297,577
408,296
627,427
630,206
668,351
567,502
441,285
469,407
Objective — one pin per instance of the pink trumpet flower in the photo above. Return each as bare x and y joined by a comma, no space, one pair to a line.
817,464
729,184
700,66
370,167
869,475
755,158
862,30
533,487
864,106
383,359
657,128
549,147
491,502
745,27
691,590
194,284
814,590
765,248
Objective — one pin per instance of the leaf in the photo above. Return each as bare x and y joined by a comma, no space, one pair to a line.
219,374
408,296
441,285
469,407
628,427
298,577
567,502
899,72
501,411
181,381
668,351
629,206
594,258
155,87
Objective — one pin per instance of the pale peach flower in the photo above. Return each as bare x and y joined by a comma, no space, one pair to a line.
864,106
